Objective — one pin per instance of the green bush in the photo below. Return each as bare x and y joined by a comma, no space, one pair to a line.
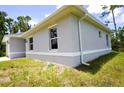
2,53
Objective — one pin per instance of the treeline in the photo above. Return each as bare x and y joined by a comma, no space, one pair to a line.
10,26
117,36
118,40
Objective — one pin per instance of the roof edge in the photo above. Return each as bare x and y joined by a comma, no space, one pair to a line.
59,10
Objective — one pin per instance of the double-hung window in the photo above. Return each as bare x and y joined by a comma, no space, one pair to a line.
53,38
31,43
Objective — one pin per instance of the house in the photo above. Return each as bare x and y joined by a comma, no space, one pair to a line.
70,36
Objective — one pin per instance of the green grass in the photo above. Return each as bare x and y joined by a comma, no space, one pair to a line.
107,70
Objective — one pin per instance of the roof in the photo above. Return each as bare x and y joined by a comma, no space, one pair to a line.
76,10
73,9
6,37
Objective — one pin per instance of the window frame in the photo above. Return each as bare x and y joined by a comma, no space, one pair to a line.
52,38
31,46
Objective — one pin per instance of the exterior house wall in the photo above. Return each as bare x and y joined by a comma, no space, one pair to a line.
67,35
7,49
93,45
68,52
16,47
68,44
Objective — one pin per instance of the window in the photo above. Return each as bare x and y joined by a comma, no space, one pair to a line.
53,38
31,43
25,40
100,35
107,40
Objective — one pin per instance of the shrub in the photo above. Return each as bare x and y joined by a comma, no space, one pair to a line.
2,53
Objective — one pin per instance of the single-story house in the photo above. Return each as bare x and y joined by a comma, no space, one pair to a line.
70,36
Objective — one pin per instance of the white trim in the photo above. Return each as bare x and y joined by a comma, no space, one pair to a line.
16,54
13,53
94,51
56,53
69,54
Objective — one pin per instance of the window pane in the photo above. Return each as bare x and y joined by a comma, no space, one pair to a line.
54,44
31,47
53,33
31,43
100,34
31,40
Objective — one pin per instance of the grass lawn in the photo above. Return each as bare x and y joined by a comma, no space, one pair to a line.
107,70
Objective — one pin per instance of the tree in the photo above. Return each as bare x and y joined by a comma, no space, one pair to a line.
9,24
111,9
15,27
27,19
3,28
118,45
23,23
121,36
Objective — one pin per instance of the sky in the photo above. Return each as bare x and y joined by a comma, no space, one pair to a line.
39,12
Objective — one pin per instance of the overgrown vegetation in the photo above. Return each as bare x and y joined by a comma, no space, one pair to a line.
118,41
107,70
2,54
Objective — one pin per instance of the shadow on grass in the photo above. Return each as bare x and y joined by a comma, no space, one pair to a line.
96,64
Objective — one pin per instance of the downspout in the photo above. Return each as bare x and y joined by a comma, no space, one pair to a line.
80,39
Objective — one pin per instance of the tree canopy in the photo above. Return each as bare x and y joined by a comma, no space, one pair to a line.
23,23
10,26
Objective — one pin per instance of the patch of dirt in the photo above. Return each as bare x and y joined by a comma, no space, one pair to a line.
4,79
60,69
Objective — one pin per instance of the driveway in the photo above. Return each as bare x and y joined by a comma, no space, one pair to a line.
4,59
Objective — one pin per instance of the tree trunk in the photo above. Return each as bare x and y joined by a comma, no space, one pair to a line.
113,16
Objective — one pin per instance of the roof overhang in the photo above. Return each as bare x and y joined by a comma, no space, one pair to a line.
77,10
7,37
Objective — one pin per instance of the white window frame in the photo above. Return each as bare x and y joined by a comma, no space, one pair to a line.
50,39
